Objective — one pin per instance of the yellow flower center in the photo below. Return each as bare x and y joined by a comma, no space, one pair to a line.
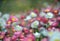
57,40
13,19
32,14
50,33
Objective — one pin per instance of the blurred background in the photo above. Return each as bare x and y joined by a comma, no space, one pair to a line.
14,6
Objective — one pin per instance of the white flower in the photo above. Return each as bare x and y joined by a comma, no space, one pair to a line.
6,16
2,22
50,22
56,36
49,15
32,14
35,24
27,18
42,14
37,35
50,33
43,31
15,23
18,28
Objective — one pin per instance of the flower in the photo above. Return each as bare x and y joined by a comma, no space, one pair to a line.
14,38
13,18
8,23
26,30
55,24
22,36
47,10
42,14
35,24
55,37
27,18
37,35
17,33
7,39
15,23
43,31
58,18
2,23
6,16
32,14
18,28
50,22
50,33
44,39
2,34
30,37
49,15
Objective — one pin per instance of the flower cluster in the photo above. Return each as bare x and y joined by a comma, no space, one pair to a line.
35,26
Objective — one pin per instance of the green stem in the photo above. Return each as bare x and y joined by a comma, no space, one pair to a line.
35,30
37,39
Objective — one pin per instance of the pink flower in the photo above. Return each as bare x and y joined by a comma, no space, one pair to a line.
44,39
44,20
39,18
14,38
17,34
8,23
55,24
22,17
22,36
58,18
26,30
2,34
13,18
36,11
47,10
7,39
31,36
27,39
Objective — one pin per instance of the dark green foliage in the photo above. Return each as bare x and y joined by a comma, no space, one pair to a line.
21,5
